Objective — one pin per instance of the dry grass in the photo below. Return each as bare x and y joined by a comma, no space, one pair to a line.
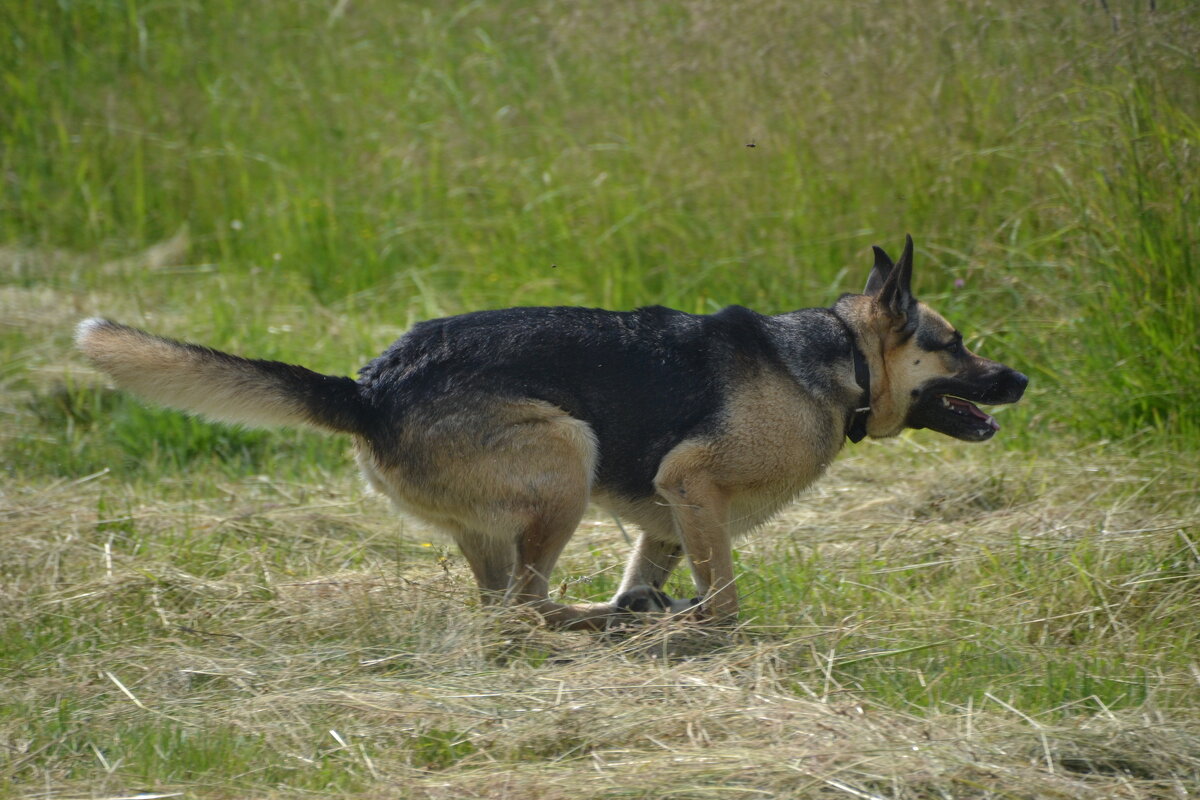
274,639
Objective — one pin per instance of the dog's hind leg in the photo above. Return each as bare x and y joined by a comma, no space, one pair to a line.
491,560
538,549
560,478
510,481
528,487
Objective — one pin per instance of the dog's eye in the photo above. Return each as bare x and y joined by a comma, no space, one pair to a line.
955,347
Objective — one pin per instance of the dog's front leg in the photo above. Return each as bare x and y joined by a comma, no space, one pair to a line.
700,509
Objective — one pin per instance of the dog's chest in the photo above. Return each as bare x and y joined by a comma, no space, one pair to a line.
774,442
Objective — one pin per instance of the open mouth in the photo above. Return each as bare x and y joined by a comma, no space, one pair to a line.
948,405
958,405
953,415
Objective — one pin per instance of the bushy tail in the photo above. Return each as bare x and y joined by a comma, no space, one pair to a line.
219,385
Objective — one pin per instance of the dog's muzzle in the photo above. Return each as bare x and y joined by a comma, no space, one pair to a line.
948,405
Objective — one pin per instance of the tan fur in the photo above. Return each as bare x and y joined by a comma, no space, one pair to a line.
487,467
700,507
492,474
905,366
756,453
161,371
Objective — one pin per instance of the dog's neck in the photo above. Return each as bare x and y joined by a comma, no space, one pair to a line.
856,421
825,330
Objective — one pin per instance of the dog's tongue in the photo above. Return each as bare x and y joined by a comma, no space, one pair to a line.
973,410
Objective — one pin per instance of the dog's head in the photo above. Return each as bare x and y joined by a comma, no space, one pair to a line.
922,375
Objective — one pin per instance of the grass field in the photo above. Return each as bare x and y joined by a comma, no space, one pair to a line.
193,610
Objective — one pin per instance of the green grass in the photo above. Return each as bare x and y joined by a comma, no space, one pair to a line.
196,608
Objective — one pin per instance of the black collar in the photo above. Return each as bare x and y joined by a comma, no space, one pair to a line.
856,425
856,420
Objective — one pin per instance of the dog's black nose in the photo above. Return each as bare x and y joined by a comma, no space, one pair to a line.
1017,383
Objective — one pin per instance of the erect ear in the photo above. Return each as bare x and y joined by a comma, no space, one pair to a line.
879,272
895,297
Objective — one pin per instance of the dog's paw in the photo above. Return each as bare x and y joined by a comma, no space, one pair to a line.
643,599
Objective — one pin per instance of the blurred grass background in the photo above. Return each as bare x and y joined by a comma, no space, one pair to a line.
343,169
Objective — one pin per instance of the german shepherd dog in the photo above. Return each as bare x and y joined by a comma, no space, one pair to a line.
500,426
